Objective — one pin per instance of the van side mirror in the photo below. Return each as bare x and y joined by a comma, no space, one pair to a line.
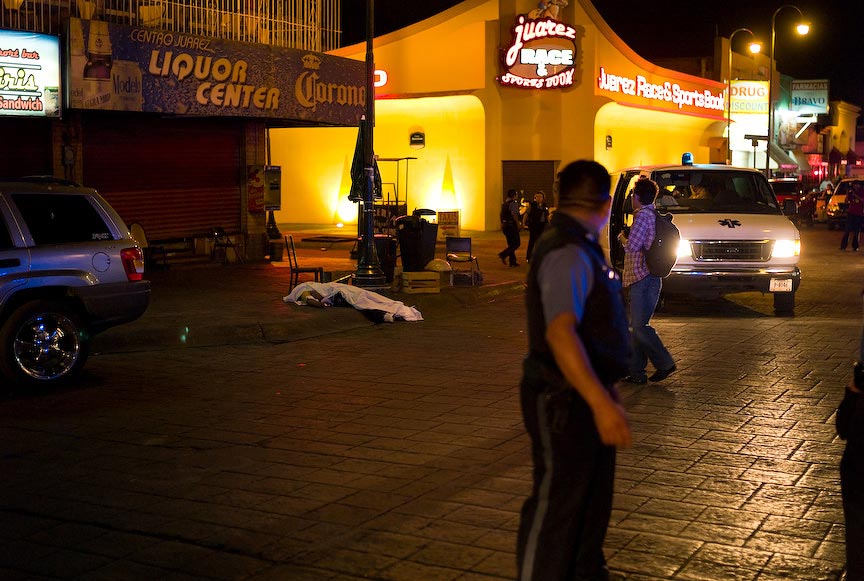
790,207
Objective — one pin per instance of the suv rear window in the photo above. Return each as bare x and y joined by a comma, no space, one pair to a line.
715,191
5,237
59,218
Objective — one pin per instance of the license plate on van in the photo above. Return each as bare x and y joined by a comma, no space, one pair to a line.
780,285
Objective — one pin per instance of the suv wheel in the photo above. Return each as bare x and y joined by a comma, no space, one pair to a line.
784,303
43,343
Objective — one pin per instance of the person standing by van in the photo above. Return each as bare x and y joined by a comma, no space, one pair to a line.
643,288
854,216
510,221
578,349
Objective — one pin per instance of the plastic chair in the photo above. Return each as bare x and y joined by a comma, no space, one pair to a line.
317,271
223,242
459,256
150,252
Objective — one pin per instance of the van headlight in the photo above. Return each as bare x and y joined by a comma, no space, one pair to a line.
786,248
684,248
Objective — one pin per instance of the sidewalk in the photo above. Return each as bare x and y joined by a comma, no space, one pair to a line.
242,303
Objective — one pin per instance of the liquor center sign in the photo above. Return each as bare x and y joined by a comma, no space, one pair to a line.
121,68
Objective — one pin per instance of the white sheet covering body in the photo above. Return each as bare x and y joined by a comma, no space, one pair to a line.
357,297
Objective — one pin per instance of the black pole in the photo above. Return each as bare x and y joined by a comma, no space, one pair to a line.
369,273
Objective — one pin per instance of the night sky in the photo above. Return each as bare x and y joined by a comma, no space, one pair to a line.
834,49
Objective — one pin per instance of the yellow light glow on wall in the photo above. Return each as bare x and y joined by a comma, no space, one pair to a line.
450,170
447,198
670,137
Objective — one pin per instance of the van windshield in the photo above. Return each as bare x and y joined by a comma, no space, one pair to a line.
689,191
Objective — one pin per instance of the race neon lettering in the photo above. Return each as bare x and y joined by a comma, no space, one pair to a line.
528,30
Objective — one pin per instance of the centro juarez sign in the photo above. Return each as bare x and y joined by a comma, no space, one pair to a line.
659,93
541,55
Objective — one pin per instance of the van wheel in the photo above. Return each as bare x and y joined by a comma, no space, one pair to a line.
784,303
43,343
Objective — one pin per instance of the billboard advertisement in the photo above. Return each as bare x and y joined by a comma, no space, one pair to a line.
748,111
121,68
29,74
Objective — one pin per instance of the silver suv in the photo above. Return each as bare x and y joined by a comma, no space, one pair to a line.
68,269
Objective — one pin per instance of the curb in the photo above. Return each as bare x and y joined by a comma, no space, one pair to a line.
299,322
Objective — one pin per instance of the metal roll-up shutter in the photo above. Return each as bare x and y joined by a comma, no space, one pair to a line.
178,178
529,177
26,148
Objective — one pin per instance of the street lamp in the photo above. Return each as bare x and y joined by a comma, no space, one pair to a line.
754,48
802,29
369,273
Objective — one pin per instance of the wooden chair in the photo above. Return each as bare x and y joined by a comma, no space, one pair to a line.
222,242
296,269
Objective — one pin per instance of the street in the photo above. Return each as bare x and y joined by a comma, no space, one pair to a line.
397,451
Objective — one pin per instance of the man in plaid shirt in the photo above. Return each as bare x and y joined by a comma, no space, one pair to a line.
643,288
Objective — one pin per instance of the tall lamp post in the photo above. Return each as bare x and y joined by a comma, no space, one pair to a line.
369,273
754,47
802,29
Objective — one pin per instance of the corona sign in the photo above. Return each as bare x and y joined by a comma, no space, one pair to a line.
541,55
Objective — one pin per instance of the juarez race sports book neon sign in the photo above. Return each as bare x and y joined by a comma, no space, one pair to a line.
541,54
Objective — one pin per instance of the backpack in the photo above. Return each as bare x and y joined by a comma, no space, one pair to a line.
663,253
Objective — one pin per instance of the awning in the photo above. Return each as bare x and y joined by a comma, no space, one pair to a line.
783,159
786,162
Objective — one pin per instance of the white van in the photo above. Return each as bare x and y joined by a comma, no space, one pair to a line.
734,235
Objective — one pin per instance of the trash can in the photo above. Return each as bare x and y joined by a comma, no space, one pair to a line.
277,247
385,247
417,239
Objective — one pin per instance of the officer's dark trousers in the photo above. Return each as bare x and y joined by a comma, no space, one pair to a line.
564,521
511,233
851,415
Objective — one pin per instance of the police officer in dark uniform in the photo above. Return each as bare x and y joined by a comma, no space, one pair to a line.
510,227
850,427
578,350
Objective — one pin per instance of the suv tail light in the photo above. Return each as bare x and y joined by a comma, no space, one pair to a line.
133,263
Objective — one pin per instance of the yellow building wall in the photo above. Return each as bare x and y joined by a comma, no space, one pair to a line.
440,54
442,80
447,173
641,137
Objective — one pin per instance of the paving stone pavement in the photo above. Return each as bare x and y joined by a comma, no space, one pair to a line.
349,450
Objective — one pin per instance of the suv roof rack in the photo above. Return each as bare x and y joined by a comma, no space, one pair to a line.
46,179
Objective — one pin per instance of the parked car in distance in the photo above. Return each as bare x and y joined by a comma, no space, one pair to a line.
835,212
820,205
787,189
69,269
836,208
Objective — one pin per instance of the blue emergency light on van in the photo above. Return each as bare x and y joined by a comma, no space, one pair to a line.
687,158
